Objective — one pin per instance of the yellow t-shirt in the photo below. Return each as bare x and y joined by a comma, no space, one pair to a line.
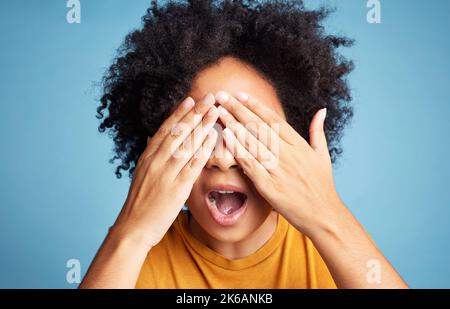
287,260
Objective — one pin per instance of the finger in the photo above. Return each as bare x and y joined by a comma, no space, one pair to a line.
182,129
318,140
252,122
250,166
183,108
194,166
189,147
254,146
286,132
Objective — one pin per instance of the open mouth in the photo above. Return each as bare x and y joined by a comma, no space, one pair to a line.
227,202
226,206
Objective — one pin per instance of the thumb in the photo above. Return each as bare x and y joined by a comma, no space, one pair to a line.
318,140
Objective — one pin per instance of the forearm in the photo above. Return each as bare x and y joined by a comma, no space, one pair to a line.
117,263
352,257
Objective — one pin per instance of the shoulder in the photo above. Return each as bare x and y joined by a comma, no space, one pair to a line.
304,250
160,259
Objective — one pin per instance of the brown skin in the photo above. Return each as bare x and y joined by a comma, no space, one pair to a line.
300,187
255,227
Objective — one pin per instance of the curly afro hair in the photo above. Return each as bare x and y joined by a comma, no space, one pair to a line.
155,66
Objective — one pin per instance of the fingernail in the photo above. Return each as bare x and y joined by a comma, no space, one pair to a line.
187,103
212,132
324,113
241,96
222,110
209,99
227,131
212,112
222,97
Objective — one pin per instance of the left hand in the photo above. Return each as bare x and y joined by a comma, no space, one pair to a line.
296,179
293,176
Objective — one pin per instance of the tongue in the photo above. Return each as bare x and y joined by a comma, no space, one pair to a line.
228,203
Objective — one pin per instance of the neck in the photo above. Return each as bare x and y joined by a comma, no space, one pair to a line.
242,248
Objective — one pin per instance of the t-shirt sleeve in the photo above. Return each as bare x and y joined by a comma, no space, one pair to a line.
323,275
146,279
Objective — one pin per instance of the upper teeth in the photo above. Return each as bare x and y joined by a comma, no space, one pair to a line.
224,191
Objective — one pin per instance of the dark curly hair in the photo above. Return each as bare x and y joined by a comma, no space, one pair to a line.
283,40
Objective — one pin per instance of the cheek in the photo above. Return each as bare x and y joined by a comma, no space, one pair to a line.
196,197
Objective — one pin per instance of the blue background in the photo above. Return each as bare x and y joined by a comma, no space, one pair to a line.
59,195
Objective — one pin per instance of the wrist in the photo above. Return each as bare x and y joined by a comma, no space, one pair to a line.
132,239
335,223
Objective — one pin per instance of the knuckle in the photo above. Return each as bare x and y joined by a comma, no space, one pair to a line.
182,152
171,147
144,159
166,148
247,164
273,118
141,161
195,162
177,129
151,166
164,130
176,156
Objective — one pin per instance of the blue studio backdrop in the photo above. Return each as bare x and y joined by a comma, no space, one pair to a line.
59,194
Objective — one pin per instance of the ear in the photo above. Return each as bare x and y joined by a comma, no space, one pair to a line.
318,140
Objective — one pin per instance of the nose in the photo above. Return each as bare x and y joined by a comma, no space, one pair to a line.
221,158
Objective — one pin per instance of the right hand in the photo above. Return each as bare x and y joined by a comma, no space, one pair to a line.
163,181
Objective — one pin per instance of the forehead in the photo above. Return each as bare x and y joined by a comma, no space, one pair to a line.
232,75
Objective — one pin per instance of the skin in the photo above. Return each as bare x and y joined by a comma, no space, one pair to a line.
299,186
259,222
